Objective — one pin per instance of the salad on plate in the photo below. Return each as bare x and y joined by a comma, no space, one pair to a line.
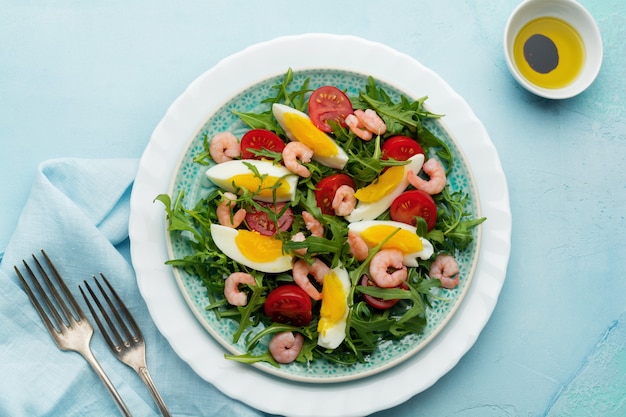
328,228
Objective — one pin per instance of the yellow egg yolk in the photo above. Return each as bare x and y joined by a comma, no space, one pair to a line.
257,247
263,185
384,184
333,302
303,130
403,240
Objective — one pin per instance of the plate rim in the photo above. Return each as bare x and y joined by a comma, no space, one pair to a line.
141,249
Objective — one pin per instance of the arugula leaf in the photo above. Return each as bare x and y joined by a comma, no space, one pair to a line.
263,120
454,224
285,94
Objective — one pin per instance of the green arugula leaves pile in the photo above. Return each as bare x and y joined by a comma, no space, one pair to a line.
366,327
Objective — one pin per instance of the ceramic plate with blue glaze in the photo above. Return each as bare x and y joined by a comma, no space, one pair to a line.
177,301
189,178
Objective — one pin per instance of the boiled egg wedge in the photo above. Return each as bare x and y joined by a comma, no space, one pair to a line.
269,179
375,198
252,249
299,127
403,238
331,327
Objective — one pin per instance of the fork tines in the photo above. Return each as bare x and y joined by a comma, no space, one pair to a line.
113,305
57,306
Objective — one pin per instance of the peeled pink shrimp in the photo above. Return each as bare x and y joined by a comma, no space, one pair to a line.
380,265
358,247
231,288
302,270
371,121
344,200
299,237
366,124
312,224
295,151
437,181
285,346
223,147
357,128
224,211
446,269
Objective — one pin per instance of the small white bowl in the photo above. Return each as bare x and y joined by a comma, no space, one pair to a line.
579,19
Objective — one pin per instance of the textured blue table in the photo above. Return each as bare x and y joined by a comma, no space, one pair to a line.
90,79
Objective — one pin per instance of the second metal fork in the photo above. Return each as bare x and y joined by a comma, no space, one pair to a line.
129,346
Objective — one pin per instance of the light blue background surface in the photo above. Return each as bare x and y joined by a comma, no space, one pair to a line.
92,79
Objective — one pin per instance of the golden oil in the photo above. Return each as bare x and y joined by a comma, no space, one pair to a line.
549,52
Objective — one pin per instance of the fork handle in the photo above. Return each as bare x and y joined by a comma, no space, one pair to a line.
91,359
147,379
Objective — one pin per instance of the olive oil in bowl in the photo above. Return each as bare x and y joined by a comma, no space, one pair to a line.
549,52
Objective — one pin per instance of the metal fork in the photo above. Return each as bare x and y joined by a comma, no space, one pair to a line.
131,348
71,330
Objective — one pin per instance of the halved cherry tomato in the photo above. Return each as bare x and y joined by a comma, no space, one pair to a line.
260,139
414,203
379,303
329,103
289,304
400,148
326,189
259,221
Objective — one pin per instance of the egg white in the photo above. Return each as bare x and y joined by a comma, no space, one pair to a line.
371,210
221,175
224,238
337,161
336,332
409,259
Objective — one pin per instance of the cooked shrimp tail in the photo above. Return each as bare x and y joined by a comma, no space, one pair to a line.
371,121
344,201
312,224
301,271
357,128
285,346
299,237
225,214
387,269
224,147
366,124
294,152
446,269
358,247
437,181
231,288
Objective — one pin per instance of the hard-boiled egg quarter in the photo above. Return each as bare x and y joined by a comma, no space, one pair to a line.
403,238
252,249
270,182
299,127
331,327
375,198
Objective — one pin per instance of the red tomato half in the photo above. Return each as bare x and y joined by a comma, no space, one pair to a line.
379,303
289,304
260,139
259,221
400,148
414,203
326,189
329,103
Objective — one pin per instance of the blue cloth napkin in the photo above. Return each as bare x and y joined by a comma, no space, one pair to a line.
78,212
